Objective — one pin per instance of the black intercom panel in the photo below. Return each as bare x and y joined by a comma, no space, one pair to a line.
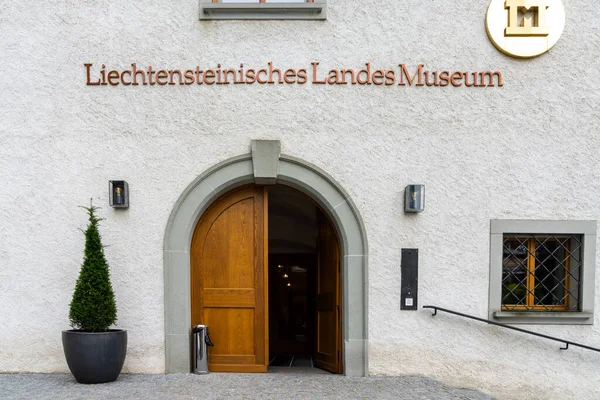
409,269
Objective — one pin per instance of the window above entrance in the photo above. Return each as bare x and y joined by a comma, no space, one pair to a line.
542,272
263,9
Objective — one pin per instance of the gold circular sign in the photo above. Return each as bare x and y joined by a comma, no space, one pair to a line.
525,28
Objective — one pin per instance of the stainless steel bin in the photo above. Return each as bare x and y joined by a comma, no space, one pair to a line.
201,342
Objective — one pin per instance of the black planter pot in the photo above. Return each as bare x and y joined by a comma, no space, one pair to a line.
95,357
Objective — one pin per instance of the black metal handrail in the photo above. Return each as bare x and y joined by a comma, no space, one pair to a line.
487,321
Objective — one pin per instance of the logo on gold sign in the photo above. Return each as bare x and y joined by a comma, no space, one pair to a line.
525,28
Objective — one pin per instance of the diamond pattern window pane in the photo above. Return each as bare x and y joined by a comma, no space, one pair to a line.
541,272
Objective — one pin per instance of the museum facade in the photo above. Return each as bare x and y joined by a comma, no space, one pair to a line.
303,177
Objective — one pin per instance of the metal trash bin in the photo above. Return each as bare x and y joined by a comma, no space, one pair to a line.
201,341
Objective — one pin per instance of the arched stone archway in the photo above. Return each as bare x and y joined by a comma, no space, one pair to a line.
264,166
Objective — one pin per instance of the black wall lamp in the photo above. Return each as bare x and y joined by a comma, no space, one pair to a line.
414,198
118,194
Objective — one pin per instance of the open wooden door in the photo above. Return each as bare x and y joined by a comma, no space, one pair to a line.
329,313
229,281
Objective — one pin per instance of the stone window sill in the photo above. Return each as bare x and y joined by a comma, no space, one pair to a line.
544,318
249,11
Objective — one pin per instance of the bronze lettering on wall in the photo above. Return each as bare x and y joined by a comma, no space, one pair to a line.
402,75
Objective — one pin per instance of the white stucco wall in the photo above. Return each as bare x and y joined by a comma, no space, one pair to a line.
526,150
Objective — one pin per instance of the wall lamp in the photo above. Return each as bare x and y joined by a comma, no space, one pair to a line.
414,198
118,194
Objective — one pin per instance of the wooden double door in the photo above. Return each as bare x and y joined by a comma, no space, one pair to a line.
229,284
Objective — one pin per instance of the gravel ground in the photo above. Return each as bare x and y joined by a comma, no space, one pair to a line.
231,386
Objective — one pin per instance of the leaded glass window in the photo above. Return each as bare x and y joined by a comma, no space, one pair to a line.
541,272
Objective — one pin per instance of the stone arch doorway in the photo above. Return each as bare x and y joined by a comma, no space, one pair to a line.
266,279
264,165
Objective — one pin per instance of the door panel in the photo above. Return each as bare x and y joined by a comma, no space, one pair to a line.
229,280
328,346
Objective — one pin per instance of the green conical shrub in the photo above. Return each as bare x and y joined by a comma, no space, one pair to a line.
93,308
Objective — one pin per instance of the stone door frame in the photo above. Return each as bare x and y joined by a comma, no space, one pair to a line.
265,165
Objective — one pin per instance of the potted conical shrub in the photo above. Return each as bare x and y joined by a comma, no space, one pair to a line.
94,352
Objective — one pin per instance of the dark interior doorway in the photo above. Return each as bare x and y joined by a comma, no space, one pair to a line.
294,267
